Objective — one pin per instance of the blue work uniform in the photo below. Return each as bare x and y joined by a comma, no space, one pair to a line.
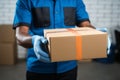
48,14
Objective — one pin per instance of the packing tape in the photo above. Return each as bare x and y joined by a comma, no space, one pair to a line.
78,44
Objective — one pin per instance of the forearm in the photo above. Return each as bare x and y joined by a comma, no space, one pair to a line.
23,38
25,42
86,24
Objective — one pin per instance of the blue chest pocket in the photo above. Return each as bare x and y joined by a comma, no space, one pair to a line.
41,16
69,16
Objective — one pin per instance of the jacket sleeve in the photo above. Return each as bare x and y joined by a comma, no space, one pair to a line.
81,12
22,15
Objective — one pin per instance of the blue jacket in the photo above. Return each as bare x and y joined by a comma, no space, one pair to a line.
47,14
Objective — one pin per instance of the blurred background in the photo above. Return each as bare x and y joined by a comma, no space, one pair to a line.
103,13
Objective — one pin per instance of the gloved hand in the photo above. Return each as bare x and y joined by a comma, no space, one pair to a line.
109,41
40,49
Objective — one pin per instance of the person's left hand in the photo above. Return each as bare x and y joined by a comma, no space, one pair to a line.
109,40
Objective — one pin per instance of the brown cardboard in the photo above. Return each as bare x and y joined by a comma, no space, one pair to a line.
8,46
62,44
8,53
7,34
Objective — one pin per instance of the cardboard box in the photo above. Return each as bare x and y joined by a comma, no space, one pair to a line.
8,46
7,34
76,44
8,53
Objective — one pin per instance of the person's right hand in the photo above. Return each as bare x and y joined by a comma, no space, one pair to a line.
39,46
